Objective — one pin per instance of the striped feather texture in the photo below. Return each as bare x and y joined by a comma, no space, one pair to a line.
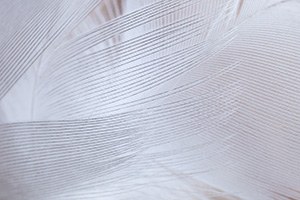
150,99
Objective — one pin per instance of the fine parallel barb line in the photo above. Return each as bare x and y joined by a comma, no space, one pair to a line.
110,25
80,17
149,99
5,10
133,91
90,126
105,32
30,55
58,187
135,42
177,110
132,41
197,60
7,61
252,140
96,121
159,6
43,126
129,69
145,39
94,59
17,34
163,95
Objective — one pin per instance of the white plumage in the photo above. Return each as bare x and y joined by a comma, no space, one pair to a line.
149,99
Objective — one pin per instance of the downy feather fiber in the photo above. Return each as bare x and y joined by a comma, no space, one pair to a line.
149,99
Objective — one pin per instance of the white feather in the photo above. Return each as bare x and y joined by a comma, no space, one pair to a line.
148,99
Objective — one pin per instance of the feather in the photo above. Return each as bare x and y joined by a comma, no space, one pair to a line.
148,99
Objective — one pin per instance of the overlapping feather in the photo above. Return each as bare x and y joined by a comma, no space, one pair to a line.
149,99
